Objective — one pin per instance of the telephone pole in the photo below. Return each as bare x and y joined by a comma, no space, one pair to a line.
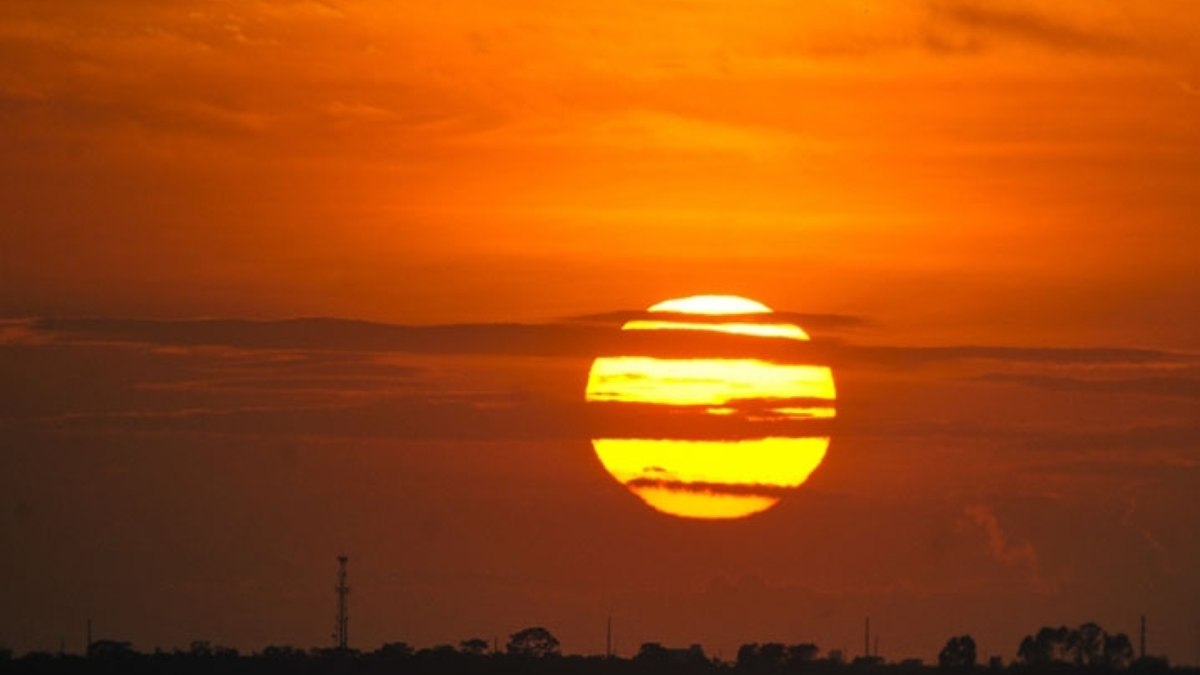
1142,639
341,633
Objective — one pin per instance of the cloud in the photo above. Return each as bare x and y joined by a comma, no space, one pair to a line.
331,377
1184,384
918,356
817,322
1063,437
20,332
1161,436
341,335
983,23
413,417
1002,549
564,339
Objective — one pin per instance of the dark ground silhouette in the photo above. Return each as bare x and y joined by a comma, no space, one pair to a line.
534,651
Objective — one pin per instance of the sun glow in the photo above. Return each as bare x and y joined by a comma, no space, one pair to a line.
774,462
715,305
776,330
700,504
718,478
642,379
711,479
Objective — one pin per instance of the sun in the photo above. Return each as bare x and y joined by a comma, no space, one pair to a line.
714,411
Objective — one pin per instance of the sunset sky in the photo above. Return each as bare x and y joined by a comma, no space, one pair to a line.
281,280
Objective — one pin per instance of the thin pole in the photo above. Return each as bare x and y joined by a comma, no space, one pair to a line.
608,652
342,630
1142,650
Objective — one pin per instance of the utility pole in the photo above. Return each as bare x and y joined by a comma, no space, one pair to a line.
1142,644
88,647
341,634
867,638
608,652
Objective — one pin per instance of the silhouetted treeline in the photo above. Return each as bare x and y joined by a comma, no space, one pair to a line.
1087,649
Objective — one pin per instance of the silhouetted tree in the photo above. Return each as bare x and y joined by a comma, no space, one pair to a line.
394,650
771,655
443,652
535,642
1086,644
652,653
282,652
110,649
656,657
958,654
764,658
473,646
747,656
1049,645
1029,652
1118,651
801,653
222,652
694,655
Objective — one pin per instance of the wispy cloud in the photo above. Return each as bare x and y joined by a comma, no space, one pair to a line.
477,382
600,334
1003,549
984,24
1184,384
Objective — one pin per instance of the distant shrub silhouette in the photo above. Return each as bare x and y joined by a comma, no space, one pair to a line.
958,654
534,642
776,657
394,651
1088,646
1086,650
801,654
657,658
110,649
473,646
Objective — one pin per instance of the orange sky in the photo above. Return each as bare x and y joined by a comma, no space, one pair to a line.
1023,164
932,174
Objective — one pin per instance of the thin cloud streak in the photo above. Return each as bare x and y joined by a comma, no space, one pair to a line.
1185,385
1043,30
546,340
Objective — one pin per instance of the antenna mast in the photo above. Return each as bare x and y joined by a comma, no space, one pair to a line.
1142,641
341,634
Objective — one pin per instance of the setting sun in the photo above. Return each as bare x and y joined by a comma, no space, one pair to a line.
724,477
